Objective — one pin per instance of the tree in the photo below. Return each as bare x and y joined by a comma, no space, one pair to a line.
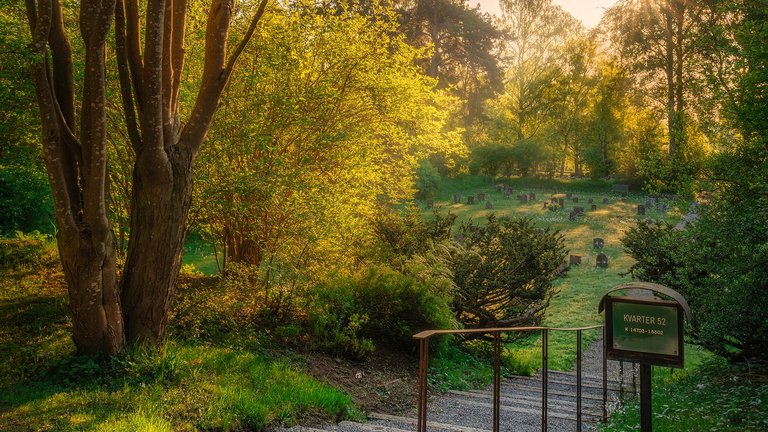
107,314
504,273
462,42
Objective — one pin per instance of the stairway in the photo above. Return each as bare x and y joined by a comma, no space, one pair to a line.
471,411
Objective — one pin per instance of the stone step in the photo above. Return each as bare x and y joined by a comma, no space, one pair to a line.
534,412
562,382
510,389
535,402
431,425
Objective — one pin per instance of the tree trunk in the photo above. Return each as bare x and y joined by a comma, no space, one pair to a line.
89,269
159,221
669,70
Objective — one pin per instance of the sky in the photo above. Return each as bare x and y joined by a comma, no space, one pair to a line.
588,11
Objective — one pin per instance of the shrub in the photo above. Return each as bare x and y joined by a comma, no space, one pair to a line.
25,199
380,304
504,272
403,234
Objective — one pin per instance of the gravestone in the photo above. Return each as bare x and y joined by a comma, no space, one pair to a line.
578,210
532,196
471,199
561,202
598,243
602,260
575,260
507,194
489,205
606,201
430,204
591,201
456,198
523,198
499,188
546,204
594,207
572,216
620,188
480,197
640,209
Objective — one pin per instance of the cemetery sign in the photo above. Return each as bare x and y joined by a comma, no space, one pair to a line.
645,330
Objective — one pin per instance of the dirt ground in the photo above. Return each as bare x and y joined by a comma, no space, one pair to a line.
385,383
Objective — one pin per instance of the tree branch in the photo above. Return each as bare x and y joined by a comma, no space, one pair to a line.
124,74
215,73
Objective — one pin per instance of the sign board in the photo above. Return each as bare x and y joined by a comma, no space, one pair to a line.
644,330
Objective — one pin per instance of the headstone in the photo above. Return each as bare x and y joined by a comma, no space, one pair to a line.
499,188
456,198
561,202
606,201
489,205
546,204
591,201
602,260
430,204
480,197
620,188
523,198
572,216
594,207
471,199
598,243
578,210
575,260
507,194
532,196
640,209
575,199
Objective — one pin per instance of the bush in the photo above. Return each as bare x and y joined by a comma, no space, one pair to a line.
25,199
504,272
406,234
347,314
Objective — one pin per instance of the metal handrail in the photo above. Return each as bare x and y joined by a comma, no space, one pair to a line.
424,336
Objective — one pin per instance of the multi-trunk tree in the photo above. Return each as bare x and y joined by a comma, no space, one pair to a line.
108,310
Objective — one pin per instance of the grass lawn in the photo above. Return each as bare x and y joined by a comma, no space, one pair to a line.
580,290
191,386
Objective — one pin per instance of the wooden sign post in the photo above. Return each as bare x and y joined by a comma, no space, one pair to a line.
648,331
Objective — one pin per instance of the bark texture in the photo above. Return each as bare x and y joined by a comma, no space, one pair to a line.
106,313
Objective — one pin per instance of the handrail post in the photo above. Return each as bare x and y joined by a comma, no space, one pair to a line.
578,381
605,378
544,377
423,365
621,381
496,380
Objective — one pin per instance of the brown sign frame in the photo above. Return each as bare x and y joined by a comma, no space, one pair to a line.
674,361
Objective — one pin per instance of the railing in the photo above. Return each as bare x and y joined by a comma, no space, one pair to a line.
424,337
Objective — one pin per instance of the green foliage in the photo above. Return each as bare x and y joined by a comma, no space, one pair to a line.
505,272
403,234
25,199
26,251
347,314
710,396
427,180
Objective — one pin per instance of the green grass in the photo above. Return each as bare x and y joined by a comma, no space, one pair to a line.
199,254
579,292
190,386
708,395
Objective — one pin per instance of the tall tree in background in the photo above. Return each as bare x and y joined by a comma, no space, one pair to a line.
463,41
106,315
656,39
